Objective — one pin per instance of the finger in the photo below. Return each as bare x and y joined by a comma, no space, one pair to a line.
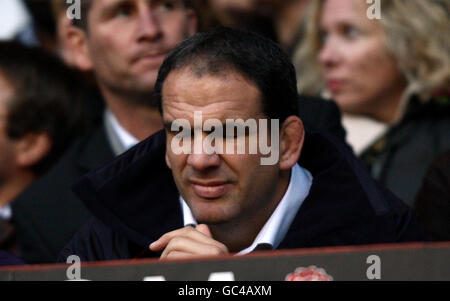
203,228
178,255
193,247
189,232
162,242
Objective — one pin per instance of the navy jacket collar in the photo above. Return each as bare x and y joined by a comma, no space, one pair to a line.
134,194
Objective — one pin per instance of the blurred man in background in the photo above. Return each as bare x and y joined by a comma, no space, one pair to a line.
123,43
39,118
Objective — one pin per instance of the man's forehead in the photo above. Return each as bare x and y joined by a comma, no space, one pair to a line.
114,2
225,95
191,80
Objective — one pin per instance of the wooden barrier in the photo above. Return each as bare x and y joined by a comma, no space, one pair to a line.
412,261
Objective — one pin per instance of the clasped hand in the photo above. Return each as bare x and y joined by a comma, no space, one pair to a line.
188,242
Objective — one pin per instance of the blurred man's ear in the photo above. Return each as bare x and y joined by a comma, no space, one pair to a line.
167,161
32,148
292,136
76,42
64,44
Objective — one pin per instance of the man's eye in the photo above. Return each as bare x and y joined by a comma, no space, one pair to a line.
167,5
125,11
351,32
234,134
173,132
180,134
231,135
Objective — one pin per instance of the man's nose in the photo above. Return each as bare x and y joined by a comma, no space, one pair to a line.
149,27
201,159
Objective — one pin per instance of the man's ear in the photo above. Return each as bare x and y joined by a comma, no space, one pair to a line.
168,161
76,41
292,136
32,148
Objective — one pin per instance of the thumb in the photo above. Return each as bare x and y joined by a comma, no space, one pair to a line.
203,228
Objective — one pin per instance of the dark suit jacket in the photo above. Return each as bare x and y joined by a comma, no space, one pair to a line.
7,259
321,114
135,201
400,158
432,205
8,238
47,214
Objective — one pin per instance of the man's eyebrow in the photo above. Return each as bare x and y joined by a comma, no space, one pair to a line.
110,8
168,124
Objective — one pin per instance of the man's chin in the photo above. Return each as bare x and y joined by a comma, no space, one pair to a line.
143,87
143,79
210,212
211,220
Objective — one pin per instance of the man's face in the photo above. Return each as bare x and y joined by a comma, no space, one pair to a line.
127,40
7,150
219,188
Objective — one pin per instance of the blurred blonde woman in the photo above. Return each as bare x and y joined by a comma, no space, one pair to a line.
389,76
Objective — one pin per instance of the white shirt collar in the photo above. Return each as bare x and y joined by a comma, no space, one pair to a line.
281,219
362,131
5,213
126,139
14,18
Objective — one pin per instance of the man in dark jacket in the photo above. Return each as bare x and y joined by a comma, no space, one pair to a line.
124,45
48,214
218,199
40,117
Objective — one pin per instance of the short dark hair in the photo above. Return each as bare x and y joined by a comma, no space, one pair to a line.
255,57
46,98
